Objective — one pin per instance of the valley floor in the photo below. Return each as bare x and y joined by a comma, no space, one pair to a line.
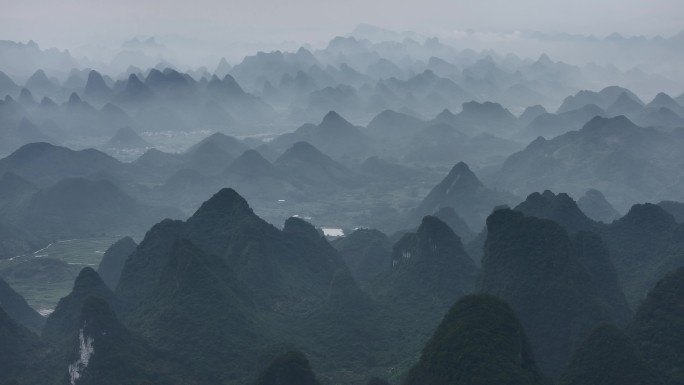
46,275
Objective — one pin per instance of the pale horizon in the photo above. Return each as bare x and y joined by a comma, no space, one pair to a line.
63,24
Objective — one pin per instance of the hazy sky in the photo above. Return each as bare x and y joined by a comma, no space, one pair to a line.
67,23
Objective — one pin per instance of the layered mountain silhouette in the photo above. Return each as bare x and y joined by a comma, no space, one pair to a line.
603,99
96,87
134,92
61,323
592,252
612,155
334,136
663,100
488,117
644,245
430,270
45,164
194,296
479,341
212,155
40,83
559,208
101,350
676,209
17,134
463,191
445,139
14,188
355,134
367,253
251,168
15,241
309,167
114,259
595,205
205,277
77,207
530,114
449,216
432,251
126,138
188,186
256,177
157,165
20,348
394,127
226,143
530,263
15,307
625,105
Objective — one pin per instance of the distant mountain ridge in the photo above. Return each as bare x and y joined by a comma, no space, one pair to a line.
466,194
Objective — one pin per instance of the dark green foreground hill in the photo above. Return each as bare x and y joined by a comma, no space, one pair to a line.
212,299
608,357
114,259
532,265
19,348
658,327
217,290
16,307
479,342
290,368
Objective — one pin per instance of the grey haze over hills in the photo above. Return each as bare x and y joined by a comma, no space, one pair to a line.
491,25
459,199
64,97
649,63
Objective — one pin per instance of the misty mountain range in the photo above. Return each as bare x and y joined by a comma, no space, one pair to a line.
166,281
351,75
383,209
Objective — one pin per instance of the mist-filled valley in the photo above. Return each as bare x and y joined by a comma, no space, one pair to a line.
371,207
